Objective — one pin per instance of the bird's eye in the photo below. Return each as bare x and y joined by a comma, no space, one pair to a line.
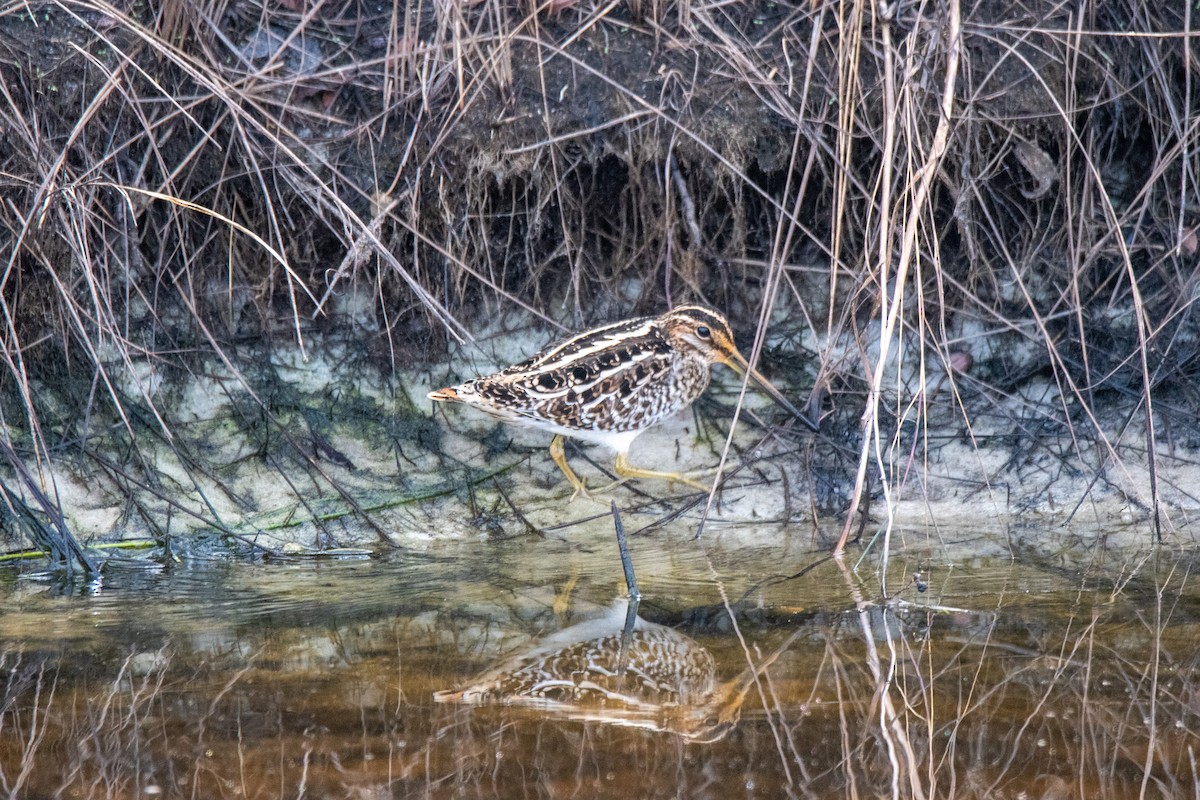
703,332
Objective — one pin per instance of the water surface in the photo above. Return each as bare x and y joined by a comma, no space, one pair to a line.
212,677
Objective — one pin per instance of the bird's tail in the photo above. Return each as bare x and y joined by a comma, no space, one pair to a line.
448,394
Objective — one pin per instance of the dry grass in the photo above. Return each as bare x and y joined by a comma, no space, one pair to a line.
977,198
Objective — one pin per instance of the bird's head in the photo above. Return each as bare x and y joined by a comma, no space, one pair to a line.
707,332
704,331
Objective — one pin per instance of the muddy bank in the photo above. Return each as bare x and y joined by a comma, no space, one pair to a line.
344,461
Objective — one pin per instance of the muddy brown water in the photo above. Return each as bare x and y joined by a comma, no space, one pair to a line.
1006,677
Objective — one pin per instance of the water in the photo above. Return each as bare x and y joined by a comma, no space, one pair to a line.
1032,677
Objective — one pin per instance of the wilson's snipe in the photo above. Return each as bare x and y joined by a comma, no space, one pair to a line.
669,682
608,384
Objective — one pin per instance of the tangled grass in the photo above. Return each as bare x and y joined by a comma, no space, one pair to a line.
981,208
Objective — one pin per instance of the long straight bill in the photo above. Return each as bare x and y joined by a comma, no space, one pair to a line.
736,362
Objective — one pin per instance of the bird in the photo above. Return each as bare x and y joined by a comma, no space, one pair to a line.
610,383
667,683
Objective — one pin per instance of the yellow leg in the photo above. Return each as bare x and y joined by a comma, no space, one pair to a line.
562,599
560,458
627,470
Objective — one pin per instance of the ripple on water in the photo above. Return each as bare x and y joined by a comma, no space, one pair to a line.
322,673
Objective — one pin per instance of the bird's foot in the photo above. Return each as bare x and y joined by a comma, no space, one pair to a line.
560,458
627,471
581,490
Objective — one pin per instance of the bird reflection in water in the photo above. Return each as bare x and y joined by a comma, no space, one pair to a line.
664,681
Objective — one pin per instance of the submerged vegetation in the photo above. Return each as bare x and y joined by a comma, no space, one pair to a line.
959,224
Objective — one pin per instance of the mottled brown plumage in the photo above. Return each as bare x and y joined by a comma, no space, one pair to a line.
608,384
668,681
